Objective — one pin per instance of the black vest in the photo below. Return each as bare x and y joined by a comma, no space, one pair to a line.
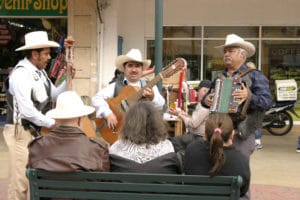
41,106
120,83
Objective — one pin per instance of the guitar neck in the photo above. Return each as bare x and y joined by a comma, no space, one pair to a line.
69,46
153,82
69,59
173,67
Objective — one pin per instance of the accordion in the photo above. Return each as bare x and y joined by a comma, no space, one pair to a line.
223,100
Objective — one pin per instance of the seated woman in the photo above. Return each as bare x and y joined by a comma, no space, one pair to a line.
217,156
142,145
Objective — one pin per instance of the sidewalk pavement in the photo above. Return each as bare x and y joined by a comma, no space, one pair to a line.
275,169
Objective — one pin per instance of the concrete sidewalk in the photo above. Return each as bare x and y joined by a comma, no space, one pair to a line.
275,168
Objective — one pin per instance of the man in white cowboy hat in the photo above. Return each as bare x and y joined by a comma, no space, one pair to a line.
255,86
66,148
29,92
132,65
236,51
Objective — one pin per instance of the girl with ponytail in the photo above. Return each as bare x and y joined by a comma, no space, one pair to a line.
217,155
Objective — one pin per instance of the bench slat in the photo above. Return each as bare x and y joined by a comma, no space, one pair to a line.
141,187
136,176
112,185
123,195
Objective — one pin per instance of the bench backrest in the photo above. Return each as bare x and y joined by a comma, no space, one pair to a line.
112,185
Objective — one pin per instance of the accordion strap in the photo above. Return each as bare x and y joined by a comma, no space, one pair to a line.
247,102
244,72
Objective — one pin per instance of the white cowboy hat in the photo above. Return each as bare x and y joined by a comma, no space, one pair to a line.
237,41
132,55
37,40
69,105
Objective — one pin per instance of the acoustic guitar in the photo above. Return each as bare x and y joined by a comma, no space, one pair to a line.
86,124
130,95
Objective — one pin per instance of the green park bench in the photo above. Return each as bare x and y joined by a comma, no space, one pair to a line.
131,186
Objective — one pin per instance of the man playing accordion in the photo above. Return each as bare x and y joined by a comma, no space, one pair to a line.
254,88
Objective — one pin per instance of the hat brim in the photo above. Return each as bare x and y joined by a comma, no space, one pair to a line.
248,46
58,114
49,44
123,59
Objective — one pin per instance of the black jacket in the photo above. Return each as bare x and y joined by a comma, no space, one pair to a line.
167,163
197,162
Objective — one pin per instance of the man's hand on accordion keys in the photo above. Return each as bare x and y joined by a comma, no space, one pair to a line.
241,94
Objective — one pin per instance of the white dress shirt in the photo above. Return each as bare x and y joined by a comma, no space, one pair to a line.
26,82
102,108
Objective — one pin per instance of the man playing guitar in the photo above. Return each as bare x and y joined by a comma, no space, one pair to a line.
133,66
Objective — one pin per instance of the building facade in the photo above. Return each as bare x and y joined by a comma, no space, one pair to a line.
103,29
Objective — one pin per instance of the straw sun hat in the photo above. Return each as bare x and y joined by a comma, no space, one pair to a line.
69,105
132,55
37,40
237,41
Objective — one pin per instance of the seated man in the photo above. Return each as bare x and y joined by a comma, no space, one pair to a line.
66,148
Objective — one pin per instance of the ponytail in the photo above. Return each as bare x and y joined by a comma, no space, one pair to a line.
218,128
216,152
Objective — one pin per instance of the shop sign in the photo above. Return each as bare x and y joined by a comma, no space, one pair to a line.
33,7
5,34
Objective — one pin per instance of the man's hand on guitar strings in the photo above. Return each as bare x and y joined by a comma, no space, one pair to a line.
112,121
241,94
148,93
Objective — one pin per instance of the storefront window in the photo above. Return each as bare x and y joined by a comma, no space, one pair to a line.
281,60
182,32
277,50
281,32
188,49
222,31
16,28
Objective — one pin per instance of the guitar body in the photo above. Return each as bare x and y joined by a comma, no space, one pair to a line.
125,94
87,127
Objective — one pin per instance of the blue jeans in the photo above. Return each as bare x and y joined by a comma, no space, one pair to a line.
258,133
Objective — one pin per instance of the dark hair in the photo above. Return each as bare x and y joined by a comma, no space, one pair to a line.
28,53
203,83
143,124
218,129
117,72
